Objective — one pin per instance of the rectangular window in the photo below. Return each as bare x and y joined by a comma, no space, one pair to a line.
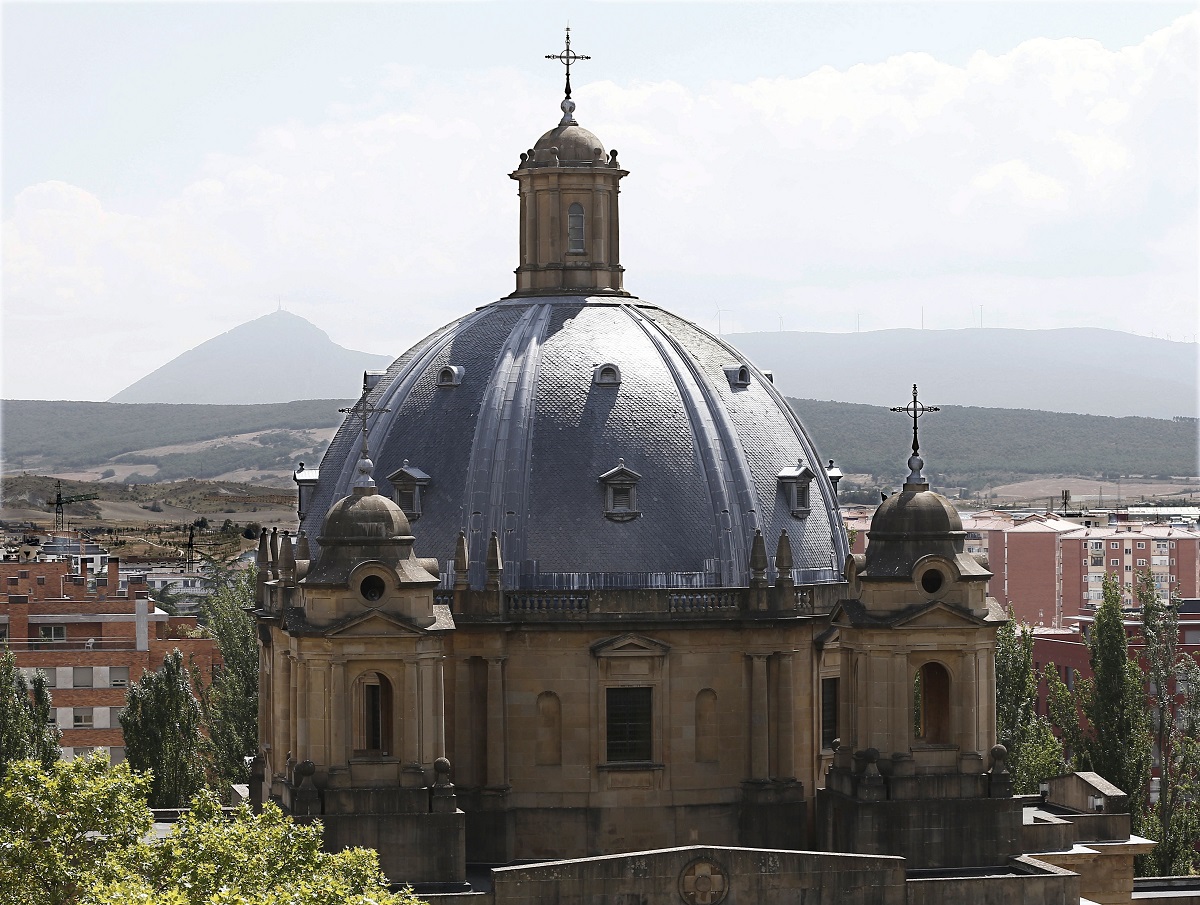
41,579
1115,545
1141,545
118,676
1129,568
1141,562
114,716
1114,562
628,721
621,499
82,677
82,718
829,712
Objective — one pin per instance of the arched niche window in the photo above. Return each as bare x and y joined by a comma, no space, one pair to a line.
575,229
450,376
931,704
373,716
549,729
607,374
706,726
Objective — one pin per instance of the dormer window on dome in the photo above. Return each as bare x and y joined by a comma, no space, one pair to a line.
620,493
408,482
607,374
795,483
450,376
738,374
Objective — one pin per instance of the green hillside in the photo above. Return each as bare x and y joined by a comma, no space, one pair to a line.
964,442
970,446
65,435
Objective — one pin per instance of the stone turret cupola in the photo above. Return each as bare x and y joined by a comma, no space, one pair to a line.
916,648
569,220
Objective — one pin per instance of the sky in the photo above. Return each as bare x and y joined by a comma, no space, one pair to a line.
172,170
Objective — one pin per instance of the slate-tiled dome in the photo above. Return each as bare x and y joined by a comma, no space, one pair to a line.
509,415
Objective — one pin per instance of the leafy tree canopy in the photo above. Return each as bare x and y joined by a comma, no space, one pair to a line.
161,724
78,833
1034,752
59,822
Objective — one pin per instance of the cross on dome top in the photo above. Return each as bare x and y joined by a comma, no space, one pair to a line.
915,410
362,410
567,57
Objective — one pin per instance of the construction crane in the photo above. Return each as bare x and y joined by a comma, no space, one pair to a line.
222,547
60,501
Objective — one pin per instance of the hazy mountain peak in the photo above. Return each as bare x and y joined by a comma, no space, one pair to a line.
278,357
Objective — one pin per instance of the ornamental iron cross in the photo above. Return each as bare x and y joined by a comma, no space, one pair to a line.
915,410
362,410
567,57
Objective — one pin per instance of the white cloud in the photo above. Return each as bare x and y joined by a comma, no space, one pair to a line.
1056,181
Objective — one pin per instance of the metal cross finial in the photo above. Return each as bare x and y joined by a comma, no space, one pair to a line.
915,410
362,410
567,57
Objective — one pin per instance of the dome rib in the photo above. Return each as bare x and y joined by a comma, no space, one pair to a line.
720,449
498,475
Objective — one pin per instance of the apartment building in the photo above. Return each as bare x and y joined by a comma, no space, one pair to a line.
90,640
1170,552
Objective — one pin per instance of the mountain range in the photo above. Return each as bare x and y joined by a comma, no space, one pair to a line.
279,357
1079,369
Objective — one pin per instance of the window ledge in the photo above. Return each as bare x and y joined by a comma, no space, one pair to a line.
621,515
630,765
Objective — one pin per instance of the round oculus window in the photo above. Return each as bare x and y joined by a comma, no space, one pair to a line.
372,588
932,581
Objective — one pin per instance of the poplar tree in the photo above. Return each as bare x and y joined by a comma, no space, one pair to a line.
1105,721
26,729
1034,753
1174,698
161,723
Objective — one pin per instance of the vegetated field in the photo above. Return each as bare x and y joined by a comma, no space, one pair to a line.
977,447
142,442
30,498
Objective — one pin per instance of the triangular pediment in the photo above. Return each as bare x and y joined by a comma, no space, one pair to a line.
938,615
372,625
630,645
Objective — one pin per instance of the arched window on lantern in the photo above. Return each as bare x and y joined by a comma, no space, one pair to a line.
373,716
931,704
575,235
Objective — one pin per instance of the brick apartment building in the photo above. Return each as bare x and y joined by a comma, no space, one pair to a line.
91,640
1048,568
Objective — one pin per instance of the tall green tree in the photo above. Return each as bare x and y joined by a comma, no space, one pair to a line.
161,723
26,730
59,823
242,858
1174,697
229,705
1105,721
1034,752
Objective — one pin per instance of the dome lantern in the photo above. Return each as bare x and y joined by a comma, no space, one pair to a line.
569,227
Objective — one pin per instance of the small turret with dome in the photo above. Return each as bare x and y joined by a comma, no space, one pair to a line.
917,536
367,528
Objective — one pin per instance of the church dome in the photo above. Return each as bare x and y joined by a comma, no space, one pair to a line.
608,443
574,143
362,518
